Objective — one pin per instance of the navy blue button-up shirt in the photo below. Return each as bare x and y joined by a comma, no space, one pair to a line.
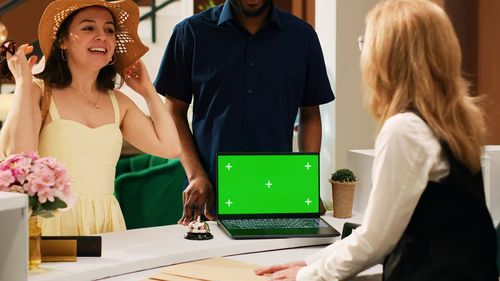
246,88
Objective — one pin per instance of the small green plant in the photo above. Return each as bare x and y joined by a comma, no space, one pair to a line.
343,175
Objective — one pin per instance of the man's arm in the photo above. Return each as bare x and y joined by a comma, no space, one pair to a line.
198,194
310,129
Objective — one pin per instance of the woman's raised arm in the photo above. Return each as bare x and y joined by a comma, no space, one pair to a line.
156,134
23,122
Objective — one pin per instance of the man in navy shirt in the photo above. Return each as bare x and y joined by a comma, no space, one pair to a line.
249,67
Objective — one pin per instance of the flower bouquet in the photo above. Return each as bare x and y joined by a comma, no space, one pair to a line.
44,180
47,185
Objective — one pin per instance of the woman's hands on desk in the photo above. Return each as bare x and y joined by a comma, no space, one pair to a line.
283,272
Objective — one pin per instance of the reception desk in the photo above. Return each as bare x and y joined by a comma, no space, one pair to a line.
149,248
13,236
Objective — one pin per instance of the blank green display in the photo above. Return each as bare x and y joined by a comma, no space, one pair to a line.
268,184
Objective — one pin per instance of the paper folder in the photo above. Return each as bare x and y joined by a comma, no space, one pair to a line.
215,269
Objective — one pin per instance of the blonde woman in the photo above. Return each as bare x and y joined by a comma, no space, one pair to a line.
426,218
87,45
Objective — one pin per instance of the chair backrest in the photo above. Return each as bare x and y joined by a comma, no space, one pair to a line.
151,196
348,229
498,248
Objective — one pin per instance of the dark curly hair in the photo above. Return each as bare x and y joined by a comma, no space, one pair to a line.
57,73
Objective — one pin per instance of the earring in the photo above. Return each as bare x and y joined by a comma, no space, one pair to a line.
113,60
63,56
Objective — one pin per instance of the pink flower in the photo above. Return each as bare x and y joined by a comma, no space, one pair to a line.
44,174
6,179
45,194
42,178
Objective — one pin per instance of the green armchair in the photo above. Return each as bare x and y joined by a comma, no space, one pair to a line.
149,190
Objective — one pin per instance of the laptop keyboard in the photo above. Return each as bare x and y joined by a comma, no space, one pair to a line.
283,223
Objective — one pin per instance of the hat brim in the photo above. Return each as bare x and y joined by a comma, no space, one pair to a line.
129,47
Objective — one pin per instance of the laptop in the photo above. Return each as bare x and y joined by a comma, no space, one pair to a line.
269,195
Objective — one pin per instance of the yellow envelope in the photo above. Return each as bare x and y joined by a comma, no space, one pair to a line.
170,277
215,269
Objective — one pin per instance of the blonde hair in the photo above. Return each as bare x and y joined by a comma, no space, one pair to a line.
411,61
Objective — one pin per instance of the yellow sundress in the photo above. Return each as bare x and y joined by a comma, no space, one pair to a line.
90,156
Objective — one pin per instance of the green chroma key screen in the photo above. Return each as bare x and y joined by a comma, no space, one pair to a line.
268,184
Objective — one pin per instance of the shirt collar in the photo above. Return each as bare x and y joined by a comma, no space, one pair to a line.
227,14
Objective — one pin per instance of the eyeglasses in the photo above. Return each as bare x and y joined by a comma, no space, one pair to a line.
361,41
8,46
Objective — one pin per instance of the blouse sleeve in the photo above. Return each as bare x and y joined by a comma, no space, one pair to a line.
405,152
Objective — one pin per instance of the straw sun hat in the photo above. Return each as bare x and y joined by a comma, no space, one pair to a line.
129,47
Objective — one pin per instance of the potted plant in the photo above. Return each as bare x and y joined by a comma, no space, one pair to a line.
343,183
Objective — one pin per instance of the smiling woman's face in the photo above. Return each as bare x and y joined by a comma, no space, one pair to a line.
91,38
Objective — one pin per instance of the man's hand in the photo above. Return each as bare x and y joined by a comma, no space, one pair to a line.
284,272
197,196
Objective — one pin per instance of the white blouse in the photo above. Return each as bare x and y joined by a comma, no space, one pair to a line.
407,156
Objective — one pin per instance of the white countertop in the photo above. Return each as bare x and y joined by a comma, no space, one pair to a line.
148,248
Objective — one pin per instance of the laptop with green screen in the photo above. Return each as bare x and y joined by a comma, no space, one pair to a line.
269,195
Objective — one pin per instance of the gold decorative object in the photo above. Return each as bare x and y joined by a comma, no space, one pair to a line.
35,236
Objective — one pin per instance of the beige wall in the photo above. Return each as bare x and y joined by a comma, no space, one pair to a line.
354,126
346,123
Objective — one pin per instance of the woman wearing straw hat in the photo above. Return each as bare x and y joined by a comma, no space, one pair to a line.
426,216
74,113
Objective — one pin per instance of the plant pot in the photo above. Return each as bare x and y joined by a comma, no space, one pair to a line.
35,234
343,197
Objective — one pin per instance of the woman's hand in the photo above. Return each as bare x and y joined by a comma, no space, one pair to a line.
137,78
19,65
284,272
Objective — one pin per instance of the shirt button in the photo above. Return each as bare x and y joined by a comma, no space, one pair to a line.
250,91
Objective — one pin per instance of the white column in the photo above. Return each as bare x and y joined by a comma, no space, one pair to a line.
491,177
355,128
169,16
325,26
346,123
166,19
